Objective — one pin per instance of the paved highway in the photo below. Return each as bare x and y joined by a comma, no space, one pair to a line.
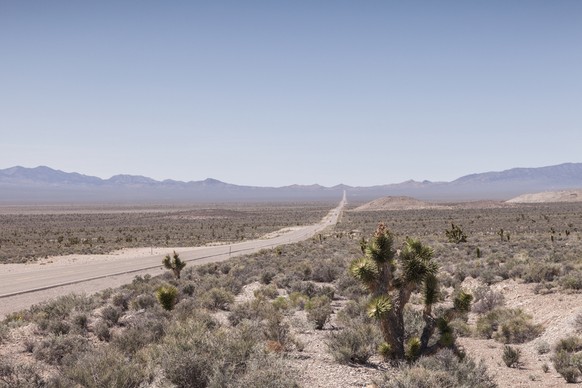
48,277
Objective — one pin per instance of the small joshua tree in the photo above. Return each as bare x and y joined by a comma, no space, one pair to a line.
174,263
167,296
391,280
456,234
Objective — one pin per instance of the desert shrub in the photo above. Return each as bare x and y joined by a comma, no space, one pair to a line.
298,300
318,311
349,287
267,371
486,300
568,365
133,339
508,326
188,289
20,375
455,234
578,323
105,367
538,272
304,287
61,307
281,304
217,299
267,277
101,330
355,343
277,330
111,315
167,296
461,327
121,300
353,311
572,281
325,272
268,292
187,354
542,347
444,369
511,356
143,301
4,332
81,323
62,349
569,344
58,327
256,309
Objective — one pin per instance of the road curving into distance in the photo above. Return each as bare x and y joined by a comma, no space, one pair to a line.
47,277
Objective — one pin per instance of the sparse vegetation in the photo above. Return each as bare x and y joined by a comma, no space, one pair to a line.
248,320
511,356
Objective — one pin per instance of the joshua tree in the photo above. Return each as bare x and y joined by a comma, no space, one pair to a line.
174,263
456,234
391,280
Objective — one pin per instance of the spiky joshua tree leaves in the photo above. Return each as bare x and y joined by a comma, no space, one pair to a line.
174,263
391,279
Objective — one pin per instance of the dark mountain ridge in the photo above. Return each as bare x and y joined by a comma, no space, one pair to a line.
46,185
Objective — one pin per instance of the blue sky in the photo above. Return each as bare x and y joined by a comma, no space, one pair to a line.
279,92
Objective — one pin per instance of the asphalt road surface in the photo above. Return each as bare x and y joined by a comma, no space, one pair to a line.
42,280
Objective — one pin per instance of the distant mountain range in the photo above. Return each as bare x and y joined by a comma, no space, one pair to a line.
20,185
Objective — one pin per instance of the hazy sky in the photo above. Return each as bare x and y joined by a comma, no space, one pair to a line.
279,92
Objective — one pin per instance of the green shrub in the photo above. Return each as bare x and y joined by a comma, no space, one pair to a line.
167,296
355,343
511,356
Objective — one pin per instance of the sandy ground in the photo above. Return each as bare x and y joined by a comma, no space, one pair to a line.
555,311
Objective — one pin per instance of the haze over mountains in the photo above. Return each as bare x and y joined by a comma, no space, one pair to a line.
20,185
